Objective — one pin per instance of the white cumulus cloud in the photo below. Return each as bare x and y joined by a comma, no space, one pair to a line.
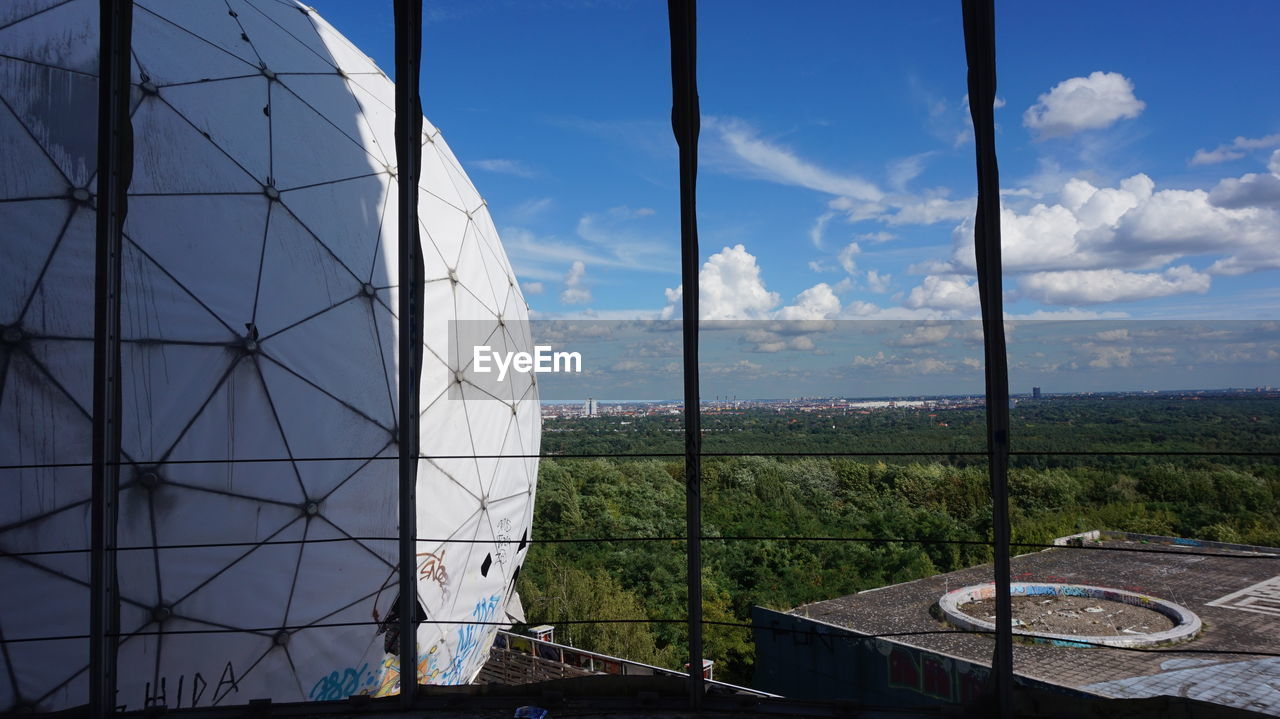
1251,189
944,292
816,303
1091,287
1083,103
1135,227
731,288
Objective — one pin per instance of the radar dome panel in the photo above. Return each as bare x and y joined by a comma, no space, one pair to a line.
258,485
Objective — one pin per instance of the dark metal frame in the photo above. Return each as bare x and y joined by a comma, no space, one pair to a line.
408,32
685,123
115,167
980,50
115,142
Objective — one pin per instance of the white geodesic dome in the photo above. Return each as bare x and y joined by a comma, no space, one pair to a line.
259,322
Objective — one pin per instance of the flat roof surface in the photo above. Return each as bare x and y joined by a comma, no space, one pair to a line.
1237,598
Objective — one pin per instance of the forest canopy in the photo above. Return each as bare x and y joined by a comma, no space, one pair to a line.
924,501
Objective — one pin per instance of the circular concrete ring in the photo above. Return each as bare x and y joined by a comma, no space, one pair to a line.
1186,624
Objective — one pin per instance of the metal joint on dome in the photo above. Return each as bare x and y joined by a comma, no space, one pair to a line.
267,72
271,192
149,479
457,376
368,290
80,194
281,638
311,508
453,275
148,88
12,335
161,613
392,170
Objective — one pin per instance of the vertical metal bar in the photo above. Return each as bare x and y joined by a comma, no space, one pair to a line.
115,168
686,122
980,49
408,29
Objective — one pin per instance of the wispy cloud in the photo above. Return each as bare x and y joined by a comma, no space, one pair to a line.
505,167
736,145
905,170
1235,149
613,239
531,253
531,209
575,293
652,137
819,225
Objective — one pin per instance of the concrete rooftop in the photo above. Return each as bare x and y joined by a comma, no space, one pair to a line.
1237,597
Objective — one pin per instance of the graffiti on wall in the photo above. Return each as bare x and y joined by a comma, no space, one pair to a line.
431,568
340,684
454,670
942,678
193,692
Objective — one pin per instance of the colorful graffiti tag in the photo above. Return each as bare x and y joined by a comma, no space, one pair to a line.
456,670
431,567
470,639
342,684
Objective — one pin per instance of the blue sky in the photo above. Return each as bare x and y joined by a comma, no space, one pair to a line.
1139,149
843,124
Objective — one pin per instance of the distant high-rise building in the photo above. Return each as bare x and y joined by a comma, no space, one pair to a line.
1035,393
589,408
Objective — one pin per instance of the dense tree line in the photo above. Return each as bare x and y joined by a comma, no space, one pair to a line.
1119,423
882,499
